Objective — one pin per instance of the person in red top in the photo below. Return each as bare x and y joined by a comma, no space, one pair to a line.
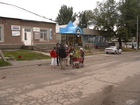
53,57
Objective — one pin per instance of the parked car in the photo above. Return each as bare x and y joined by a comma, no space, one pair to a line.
113,49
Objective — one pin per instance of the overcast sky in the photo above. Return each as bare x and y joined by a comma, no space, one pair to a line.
50,8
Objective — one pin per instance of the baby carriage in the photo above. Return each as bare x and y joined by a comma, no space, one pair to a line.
77,62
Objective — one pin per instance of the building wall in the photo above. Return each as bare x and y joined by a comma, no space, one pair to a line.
93,32
9,39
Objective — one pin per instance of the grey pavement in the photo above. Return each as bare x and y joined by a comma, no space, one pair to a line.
38,85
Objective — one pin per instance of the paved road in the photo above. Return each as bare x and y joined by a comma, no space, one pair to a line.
34,83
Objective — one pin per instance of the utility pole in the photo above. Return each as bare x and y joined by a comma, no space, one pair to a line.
137,34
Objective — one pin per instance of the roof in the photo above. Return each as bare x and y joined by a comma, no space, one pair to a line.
12,11
70,28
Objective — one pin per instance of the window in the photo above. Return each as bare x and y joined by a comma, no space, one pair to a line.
27,30
1,33
43,35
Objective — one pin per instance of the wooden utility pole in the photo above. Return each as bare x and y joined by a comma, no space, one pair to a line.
137,36
2,56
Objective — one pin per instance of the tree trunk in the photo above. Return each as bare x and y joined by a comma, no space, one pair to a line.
138,41
120,43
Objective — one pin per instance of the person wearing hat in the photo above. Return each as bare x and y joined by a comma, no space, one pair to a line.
82,55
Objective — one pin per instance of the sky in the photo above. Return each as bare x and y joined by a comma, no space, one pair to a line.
50,8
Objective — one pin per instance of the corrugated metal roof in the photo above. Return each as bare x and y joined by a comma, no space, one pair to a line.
12,11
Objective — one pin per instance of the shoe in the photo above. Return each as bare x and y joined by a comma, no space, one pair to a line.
66,65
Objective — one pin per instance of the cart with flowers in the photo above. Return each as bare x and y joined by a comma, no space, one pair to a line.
77,62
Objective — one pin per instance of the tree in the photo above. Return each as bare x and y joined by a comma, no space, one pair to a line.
84,18
129,10
65,15
105,17
122,33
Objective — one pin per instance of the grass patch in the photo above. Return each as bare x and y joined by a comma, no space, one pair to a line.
3,63
25,55
128,49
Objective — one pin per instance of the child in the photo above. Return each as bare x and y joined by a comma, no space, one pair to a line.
53,57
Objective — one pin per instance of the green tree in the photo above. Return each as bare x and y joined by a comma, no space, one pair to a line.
105,17
85,18
122,33
65,15
129,10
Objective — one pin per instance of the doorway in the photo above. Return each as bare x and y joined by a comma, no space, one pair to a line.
27,36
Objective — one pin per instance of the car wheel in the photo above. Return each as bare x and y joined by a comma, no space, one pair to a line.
106,52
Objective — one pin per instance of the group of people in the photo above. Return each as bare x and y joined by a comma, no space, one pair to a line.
62,55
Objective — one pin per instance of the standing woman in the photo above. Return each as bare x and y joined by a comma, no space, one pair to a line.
71,53
82,55
53,57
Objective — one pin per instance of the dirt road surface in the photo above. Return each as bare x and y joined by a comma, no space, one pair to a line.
106,79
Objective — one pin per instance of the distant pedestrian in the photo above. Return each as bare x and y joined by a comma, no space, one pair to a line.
82,55
53,57
71,53
67,53
62,56
57,52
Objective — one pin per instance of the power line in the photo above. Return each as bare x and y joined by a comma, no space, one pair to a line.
24,10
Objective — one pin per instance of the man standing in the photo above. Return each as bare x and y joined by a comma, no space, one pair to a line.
57,53
62,56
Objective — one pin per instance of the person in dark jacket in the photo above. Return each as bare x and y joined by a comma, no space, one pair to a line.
57,53
62,56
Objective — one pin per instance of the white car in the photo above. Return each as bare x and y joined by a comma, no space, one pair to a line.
113,49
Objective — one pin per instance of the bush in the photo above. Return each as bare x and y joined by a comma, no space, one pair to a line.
76,54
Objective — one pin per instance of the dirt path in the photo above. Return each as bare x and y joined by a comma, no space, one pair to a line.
98,83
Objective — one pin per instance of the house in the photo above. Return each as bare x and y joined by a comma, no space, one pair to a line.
19,27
